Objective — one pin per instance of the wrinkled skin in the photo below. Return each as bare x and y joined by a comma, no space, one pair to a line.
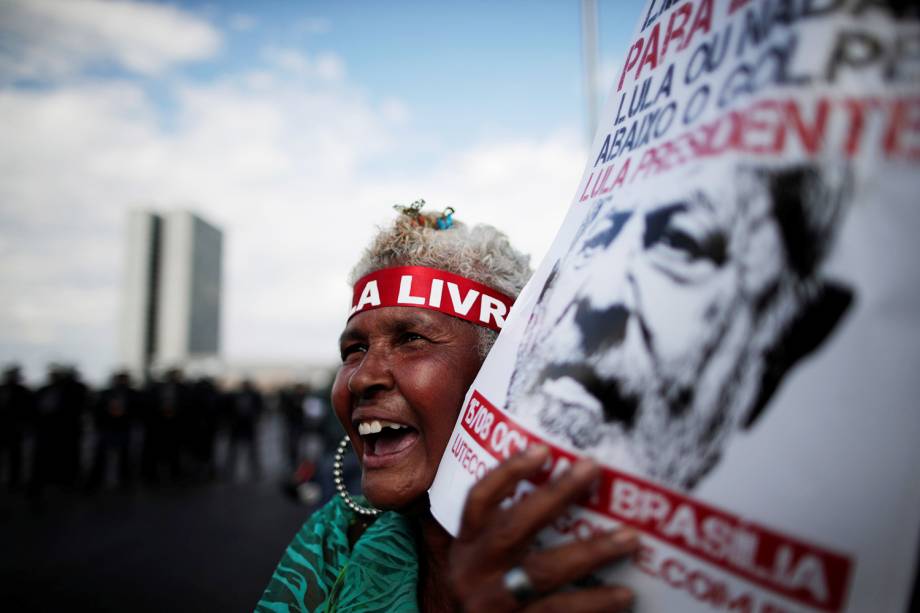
653,338
412,367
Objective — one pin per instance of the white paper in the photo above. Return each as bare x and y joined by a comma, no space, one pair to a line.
729,317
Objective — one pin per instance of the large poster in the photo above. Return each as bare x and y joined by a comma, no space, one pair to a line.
729,317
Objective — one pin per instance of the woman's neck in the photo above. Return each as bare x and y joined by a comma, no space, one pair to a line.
434,593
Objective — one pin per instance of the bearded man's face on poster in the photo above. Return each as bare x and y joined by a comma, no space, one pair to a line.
669,323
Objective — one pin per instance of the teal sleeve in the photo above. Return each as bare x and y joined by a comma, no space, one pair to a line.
310,565
319,573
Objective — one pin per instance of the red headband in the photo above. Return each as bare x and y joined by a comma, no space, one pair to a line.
424,288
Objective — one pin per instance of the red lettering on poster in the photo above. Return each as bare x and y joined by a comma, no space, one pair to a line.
648,51
796,569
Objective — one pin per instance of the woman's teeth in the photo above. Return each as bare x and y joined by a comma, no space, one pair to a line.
375,426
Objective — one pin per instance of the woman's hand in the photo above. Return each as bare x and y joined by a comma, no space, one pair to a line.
495,540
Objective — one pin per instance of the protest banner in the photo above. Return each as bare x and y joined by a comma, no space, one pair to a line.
729,317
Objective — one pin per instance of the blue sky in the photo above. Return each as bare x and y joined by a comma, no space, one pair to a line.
294,126
494,68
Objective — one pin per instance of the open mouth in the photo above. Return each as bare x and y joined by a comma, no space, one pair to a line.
382,438
618,406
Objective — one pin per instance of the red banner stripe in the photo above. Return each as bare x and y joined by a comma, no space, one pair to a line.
431,288
792,567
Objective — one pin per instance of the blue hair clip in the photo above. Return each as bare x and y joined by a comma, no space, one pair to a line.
427,220
446,220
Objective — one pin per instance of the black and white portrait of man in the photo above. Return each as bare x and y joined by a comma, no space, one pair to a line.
674,317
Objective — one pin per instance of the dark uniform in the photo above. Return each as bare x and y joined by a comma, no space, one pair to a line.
114,412
245,409
59,409
17,405
167,406
203,424
292,400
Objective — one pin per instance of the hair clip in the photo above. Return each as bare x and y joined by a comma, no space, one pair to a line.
414,212
446,220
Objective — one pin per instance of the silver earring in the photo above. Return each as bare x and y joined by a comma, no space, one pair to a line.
339,479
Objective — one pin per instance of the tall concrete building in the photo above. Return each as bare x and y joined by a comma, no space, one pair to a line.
172,291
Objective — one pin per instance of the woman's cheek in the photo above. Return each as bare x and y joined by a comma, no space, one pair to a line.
341,397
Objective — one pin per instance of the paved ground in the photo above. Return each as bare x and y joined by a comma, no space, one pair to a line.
192,548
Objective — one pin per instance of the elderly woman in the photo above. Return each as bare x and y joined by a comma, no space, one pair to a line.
408,357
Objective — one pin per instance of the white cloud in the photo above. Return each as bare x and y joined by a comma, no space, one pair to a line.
521,186
326,65
280,170
281,164
329,66
59,38
394,110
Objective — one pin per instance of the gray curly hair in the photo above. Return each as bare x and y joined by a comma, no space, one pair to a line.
481,253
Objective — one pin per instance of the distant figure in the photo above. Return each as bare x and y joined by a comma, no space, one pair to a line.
76,404
292,401
162,436
16,406
60,405
114,412
316,412
245,408
203,424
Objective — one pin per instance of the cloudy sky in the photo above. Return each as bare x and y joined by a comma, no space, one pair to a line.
293,126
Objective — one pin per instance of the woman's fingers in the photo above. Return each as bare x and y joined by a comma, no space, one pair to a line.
494,540
550,569
514,528
497,485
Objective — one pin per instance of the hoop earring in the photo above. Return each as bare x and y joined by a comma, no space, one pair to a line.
339,479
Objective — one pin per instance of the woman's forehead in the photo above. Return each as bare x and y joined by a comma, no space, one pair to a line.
387,320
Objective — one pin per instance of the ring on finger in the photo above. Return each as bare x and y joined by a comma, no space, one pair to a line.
518,583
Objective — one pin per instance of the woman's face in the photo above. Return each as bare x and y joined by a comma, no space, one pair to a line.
404,374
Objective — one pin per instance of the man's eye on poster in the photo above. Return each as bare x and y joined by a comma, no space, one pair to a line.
728,318
684,325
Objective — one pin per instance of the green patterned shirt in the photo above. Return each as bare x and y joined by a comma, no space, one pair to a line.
319,572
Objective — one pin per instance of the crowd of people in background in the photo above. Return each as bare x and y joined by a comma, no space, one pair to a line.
163,432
